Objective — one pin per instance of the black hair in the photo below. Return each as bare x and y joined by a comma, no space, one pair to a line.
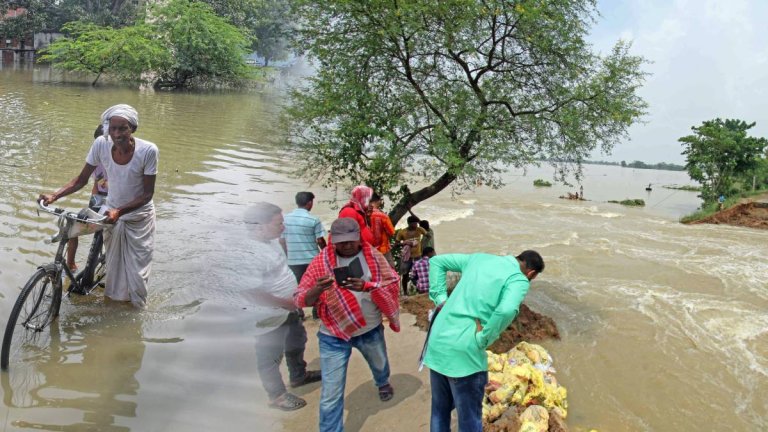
532,260
99,131
375,197
261,213
427,250
303,198
424,224
412,219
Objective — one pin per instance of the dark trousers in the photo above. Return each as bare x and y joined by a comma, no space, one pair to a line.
298,270
465,394
287,340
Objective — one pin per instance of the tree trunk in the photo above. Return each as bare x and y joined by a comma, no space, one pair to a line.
411,199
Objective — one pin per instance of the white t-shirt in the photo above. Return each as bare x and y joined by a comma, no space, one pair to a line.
126,182
271,276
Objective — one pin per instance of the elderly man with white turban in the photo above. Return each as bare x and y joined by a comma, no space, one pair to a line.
131,166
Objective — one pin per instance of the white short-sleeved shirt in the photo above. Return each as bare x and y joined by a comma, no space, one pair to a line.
270,276
126,182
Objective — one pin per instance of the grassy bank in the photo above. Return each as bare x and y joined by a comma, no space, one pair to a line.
712,208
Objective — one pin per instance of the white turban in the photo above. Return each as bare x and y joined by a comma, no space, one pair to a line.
122,110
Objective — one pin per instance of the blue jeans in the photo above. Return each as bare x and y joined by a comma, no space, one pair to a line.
334,358
465,394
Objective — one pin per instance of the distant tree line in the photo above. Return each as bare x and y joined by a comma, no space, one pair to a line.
641,165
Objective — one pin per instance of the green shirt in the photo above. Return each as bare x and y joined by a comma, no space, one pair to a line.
491,290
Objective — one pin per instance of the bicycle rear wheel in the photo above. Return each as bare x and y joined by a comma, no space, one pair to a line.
27,333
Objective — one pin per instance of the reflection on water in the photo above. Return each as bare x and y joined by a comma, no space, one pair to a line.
80,385
663,325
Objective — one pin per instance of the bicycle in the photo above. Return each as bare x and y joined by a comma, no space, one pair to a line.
38,303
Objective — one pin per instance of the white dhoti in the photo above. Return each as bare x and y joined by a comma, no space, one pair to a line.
130,243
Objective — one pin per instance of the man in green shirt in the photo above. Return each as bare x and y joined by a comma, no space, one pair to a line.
483,304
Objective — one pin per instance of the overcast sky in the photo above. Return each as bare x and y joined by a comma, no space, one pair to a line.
708,59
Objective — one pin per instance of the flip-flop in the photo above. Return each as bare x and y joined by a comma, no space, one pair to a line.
386,392
288,402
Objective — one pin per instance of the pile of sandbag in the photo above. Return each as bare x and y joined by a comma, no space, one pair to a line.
522,393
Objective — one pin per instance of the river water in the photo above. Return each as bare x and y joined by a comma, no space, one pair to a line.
663,325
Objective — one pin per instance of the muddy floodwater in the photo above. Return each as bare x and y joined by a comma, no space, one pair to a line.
664,326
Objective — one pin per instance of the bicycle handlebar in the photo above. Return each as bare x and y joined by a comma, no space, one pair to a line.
70,215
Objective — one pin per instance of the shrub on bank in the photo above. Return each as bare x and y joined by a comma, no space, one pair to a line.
630,202
542,183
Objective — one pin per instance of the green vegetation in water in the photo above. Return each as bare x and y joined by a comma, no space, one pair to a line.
709,209
630,202
542,183
684,188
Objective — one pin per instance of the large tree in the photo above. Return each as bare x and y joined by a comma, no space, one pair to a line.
182,43
124,53
719,152
441,93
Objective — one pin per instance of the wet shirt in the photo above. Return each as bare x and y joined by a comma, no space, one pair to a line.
491,290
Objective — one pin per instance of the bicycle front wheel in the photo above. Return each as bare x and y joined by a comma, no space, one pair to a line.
27,332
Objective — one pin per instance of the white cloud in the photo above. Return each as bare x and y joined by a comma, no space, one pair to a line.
707,60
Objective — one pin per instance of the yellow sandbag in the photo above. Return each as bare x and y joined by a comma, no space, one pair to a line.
537,416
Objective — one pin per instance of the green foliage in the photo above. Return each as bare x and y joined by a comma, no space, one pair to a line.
36,18
182,43
124,53
720,153
52,15
688,188
541,183
267,21
630,202
271,29
204,47
451,92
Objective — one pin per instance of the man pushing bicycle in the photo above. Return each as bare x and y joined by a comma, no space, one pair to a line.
131,166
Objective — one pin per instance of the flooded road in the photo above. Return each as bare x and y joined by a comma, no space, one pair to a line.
663,325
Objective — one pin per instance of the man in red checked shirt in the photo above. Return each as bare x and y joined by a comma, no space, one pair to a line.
351,314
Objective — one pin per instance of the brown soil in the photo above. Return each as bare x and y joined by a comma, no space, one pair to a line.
749,214
529,326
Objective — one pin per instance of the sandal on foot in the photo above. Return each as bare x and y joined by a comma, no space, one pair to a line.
386,392
310,376
287,402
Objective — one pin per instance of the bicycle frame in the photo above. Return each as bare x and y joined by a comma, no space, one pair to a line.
66,223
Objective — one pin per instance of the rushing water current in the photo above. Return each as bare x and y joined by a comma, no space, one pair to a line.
664,326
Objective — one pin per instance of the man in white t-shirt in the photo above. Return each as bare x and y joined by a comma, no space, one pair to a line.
131,166
279,324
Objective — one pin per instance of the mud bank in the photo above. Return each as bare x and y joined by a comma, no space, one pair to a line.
529,326
751,215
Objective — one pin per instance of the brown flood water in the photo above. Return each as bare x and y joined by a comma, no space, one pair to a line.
663,325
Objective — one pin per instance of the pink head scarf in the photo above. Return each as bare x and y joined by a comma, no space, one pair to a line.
361,195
